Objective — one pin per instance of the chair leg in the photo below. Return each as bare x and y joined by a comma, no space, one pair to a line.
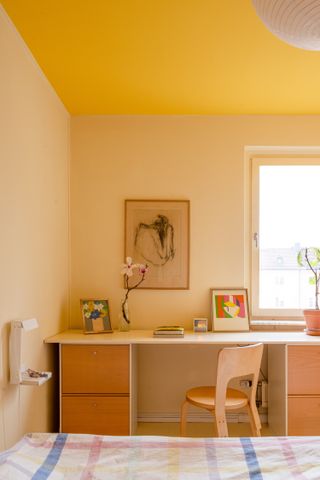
254,420
214,425
221,423
183,418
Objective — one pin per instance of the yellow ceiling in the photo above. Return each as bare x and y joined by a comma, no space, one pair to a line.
166,57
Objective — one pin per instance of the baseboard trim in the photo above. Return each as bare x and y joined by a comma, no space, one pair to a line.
194,417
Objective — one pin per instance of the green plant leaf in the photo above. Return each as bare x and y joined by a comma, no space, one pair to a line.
312,280
314,263
313,257
299,257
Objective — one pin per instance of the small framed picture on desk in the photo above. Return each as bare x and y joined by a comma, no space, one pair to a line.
96,316
229,309
200,324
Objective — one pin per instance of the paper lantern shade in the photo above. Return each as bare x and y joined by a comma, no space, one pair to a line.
296,22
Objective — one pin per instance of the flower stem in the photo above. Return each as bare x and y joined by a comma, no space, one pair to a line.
124,313
127,295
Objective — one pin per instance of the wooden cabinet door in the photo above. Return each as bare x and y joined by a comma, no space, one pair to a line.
99,415
304,415
303,370
95,369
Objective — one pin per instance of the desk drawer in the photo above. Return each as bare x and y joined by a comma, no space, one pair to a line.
304,415
96,415
303,369
95,368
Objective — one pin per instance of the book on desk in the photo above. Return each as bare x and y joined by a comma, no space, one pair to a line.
169,331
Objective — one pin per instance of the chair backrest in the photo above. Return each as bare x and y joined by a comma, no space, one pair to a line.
236,362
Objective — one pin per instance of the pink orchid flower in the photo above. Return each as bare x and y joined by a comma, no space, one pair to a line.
127,268
143,268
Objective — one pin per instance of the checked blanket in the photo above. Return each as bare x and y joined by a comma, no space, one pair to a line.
73,456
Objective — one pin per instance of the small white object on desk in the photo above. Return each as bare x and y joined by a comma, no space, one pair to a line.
200,324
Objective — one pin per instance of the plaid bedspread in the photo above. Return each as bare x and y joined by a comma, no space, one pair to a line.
70,456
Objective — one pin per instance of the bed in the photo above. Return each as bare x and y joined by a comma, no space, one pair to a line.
75,456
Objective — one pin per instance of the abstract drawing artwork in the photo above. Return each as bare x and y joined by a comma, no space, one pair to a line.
155,241
157,234
229,309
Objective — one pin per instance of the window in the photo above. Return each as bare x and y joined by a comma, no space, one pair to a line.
285,218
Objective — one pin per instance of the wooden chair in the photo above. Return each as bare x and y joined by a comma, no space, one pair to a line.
232,363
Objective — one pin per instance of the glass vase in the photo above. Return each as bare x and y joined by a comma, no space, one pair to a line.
124,321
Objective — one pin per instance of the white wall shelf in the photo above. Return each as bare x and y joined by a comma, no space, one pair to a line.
19,373
35,381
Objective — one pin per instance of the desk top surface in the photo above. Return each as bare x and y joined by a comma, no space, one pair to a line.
145,337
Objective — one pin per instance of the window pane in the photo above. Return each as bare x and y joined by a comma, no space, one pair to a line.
289,219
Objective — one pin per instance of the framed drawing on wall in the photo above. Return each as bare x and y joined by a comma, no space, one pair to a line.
157,234
229,309
95,316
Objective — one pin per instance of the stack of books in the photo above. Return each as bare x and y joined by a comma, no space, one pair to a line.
169,331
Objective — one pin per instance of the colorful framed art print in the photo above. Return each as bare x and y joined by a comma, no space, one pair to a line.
229,309
95,316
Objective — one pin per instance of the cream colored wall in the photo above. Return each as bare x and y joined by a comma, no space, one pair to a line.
200,158
34,159
189,157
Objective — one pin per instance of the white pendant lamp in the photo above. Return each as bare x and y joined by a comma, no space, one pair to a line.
297,22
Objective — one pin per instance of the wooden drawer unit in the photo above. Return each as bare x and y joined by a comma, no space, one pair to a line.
101,415
303,390
304,415
95,389
303,369
95,369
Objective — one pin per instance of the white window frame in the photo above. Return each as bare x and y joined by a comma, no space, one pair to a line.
256,161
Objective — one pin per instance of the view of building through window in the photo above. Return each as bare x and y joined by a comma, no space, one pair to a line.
289,219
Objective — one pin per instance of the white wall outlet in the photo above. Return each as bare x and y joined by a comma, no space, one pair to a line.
245,383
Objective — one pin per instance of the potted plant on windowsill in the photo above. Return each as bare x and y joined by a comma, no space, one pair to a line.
310,258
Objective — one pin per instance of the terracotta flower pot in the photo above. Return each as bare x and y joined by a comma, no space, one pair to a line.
312,318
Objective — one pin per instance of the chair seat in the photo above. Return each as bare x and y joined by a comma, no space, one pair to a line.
205,397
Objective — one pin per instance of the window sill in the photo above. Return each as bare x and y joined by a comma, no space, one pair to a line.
277,325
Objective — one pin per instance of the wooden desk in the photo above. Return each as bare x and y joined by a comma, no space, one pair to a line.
98,378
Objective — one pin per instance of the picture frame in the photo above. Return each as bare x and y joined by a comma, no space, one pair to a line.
95,316
157,234
229,309
200,325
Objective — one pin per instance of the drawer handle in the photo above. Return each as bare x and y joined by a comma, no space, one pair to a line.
94,353
94,405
